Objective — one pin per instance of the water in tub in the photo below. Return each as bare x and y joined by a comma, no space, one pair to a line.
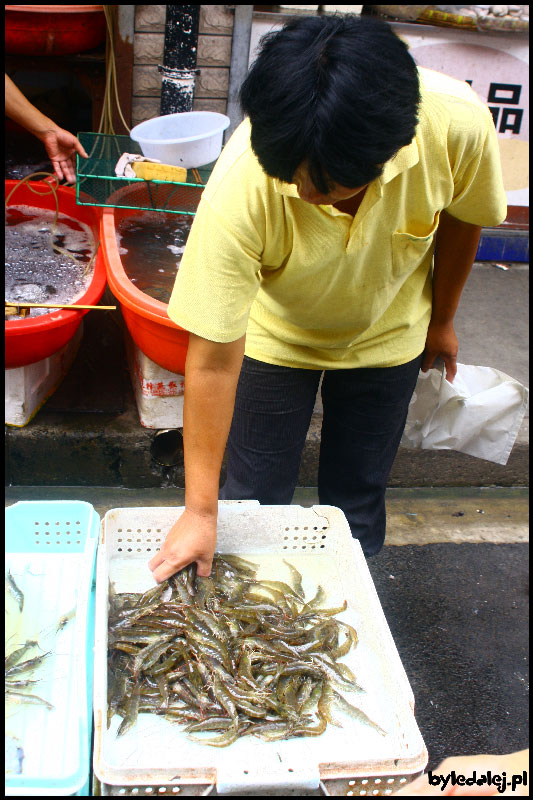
35,271
151,245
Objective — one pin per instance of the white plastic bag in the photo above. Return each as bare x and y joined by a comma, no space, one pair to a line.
123,168
480,413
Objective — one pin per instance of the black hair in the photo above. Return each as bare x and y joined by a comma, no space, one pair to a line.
339,92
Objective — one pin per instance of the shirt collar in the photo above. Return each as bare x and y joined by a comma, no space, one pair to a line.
404,159
288,189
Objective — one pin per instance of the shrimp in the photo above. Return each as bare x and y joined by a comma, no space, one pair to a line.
32,699
14,657
296,580
15,591
65,619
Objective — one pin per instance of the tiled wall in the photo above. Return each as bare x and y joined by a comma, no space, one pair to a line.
214,56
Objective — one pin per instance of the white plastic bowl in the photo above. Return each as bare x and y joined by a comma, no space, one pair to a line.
191,139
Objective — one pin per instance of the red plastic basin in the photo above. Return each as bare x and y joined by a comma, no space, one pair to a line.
146,318
53,30
29,340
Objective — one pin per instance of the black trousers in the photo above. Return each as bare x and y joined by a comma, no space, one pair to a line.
364,416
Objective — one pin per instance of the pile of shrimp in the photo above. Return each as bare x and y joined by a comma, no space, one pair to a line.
16,670
230,654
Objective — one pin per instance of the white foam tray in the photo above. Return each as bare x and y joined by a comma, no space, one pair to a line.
318,542
159,394
28,388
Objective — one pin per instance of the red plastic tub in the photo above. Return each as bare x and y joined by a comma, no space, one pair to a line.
53,30
146,318
29,340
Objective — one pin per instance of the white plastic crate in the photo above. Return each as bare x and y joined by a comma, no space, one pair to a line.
51,554
28,388
158,392
157,754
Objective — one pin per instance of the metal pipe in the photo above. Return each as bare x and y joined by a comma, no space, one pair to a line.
167,447
240,55
179,60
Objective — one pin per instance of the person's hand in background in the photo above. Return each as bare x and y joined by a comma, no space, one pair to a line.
60,145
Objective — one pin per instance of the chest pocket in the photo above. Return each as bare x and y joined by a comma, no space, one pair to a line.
409,250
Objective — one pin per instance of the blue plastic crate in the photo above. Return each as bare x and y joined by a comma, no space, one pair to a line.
501,245
51,554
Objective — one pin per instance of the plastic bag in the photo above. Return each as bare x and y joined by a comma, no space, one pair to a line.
480,413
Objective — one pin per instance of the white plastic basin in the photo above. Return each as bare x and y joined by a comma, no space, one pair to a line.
191,139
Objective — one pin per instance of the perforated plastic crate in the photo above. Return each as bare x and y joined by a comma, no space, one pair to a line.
51,554
156,756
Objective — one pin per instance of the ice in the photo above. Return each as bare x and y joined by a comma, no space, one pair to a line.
34,271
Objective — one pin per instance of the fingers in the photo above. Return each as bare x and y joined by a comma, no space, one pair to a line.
427,361
156,561
57,169
165,569
203,568
450,362
451,367
69,169
162,569
80,149
192,539
64,170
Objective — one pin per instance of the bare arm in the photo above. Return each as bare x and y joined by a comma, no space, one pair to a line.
211,374
20,110
59,144
455,250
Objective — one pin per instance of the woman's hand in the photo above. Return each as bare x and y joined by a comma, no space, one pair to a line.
192,538
441,341
59,144
211,374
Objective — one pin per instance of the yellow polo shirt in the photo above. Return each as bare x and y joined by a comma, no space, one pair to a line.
316,288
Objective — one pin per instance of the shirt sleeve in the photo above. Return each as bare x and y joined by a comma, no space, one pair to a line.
479,196
218,277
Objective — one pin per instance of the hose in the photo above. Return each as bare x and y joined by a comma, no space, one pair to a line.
105,125
111,87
